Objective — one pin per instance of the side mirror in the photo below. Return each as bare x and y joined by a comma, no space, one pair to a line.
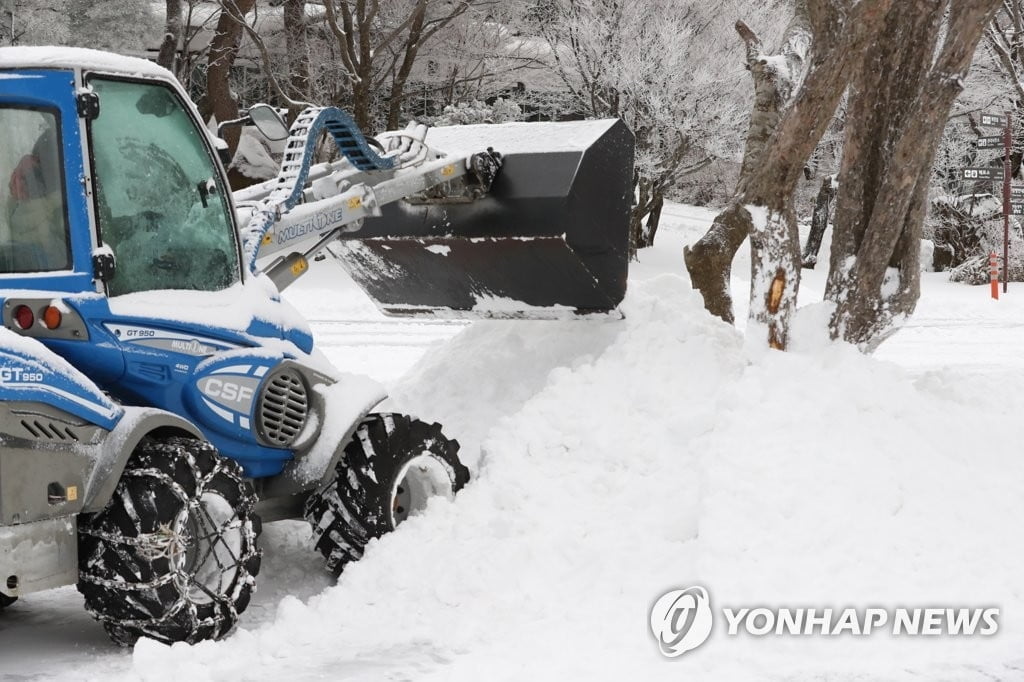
268,121
222,151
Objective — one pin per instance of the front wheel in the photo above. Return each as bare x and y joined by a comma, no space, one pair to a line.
173,555
390,469
6,601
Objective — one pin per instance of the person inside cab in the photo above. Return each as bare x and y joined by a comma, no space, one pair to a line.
36,238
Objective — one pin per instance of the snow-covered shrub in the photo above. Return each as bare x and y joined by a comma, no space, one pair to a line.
957,225
965,230
465,113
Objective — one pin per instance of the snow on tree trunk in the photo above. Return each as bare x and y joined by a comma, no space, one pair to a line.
899,102
774,272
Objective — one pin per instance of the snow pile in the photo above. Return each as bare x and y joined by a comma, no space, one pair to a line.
624,459
492,369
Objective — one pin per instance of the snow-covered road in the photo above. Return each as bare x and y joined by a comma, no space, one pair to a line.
608,445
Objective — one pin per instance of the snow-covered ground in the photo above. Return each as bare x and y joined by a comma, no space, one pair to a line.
615,460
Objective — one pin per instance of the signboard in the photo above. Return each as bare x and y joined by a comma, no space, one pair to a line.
993,120
1017,192
1017,208
986,173
990,141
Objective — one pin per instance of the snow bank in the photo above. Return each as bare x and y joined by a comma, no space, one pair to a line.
624,459
492,369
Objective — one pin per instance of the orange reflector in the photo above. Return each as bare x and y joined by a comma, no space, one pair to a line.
51,317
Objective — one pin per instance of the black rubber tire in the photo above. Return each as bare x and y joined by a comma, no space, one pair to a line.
6,601
194,569
356,505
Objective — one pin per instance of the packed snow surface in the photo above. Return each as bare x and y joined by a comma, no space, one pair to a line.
617,459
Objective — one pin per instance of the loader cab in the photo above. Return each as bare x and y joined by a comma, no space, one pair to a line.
154,191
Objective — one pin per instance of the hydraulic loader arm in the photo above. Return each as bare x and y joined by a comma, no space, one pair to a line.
306,207
427,233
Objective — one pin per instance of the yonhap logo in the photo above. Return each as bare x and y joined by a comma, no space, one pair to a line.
681,620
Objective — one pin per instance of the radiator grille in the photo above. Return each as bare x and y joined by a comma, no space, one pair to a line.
283,409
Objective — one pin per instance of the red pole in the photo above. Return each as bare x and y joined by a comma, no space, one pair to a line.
1007,145
993,273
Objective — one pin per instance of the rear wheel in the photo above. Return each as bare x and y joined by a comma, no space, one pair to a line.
390,469
173,555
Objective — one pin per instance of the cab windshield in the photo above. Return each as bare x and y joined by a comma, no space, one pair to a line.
33,211
160,203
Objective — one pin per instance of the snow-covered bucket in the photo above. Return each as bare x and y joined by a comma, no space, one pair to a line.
549,240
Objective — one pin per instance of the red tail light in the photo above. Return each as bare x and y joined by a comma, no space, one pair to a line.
24,317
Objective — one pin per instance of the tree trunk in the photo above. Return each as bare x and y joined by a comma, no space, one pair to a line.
361,104
641,187
899,103
763,203
709,260
412,46
362,91
841,40
298,51
645,215
819,221
653,219
167,56
223,50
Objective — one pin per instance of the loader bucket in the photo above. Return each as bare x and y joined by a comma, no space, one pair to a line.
550,240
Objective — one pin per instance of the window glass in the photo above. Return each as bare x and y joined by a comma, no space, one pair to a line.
159,201
33,214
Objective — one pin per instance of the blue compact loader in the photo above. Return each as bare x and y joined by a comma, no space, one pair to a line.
159,401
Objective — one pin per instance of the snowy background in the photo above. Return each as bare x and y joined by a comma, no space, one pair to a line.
614,460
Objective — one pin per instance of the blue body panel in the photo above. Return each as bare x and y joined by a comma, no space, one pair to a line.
194,370
28,374
169,364
164,363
